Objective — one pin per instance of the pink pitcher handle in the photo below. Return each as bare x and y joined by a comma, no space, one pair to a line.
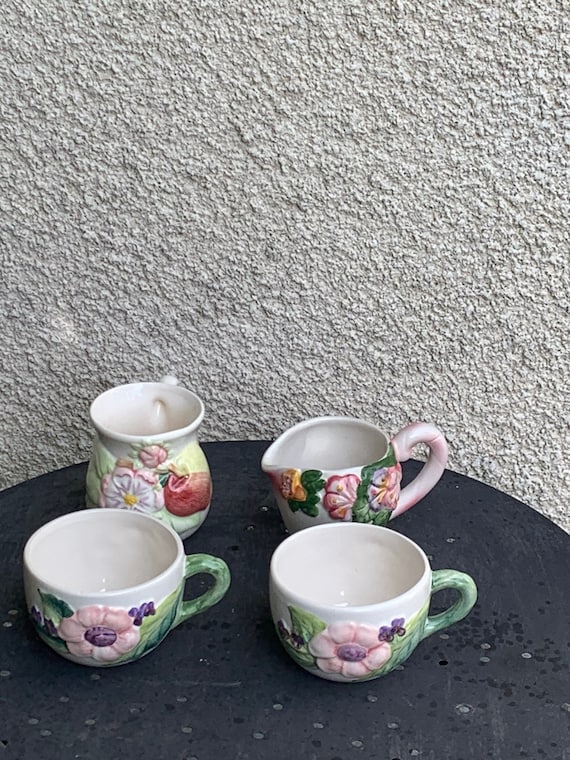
403,443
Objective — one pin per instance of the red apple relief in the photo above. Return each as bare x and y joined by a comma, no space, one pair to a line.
187,494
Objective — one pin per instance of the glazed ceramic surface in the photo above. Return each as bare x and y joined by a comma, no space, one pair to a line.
104,587
331,469
146,456
350,603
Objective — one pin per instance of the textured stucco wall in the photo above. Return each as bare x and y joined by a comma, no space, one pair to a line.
298,208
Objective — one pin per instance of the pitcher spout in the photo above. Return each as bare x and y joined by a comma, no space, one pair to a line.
269,460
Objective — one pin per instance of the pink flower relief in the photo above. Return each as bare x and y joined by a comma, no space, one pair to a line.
153,456
349,649
340,495
127,488
103,633
384,490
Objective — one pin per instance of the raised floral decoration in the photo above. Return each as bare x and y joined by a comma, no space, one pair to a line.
128,488
355,652
301,489
103,635
352,650
370,498
177,489
340,495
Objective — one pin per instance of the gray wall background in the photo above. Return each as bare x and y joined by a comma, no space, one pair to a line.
298,208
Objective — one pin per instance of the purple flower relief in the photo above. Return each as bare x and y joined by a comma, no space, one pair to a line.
100,636
297,640
384,489
388,632
283,630
50,628
398,627
351,652
287,635
385,633
36,615
139,613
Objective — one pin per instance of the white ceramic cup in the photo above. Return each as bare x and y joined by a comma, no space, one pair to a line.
350,602
104,587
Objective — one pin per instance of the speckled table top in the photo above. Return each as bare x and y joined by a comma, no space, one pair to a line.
220,686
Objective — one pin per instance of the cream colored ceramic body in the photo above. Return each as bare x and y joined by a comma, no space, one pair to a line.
146,456
350,603
104,587
331,469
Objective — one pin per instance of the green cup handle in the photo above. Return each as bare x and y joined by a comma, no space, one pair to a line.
214,566
461,582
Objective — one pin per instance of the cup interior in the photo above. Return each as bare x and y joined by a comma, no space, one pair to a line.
347,565
146,409
329,443
100,551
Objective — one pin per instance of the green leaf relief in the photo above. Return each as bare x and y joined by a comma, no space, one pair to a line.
304,624
382,518
312,480
301,656
403,646
294,505
361,511
52,641
388,461
54,609
309,506
155,627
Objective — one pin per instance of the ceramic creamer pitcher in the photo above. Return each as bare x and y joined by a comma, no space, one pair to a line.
340,468
146,456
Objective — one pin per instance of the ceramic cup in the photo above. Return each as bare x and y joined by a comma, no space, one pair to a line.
350,603
104,587
331,469
146,456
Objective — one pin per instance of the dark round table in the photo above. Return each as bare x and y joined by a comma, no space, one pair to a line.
220,686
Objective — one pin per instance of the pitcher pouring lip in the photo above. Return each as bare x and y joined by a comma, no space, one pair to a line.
326,443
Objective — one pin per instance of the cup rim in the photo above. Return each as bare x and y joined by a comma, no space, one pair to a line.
87,514
304,602
267,465
168,435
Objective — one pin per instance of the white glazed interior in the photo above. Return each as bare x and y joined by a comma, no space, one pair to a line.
146,409
348,565
101,551
327,443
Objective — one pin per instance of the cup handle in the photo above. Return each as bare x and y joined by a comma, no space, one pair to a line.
403,443
461,582
214,566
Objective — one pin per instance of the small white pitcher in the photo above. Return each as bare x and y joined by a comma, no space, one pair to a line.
146,456
340,468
